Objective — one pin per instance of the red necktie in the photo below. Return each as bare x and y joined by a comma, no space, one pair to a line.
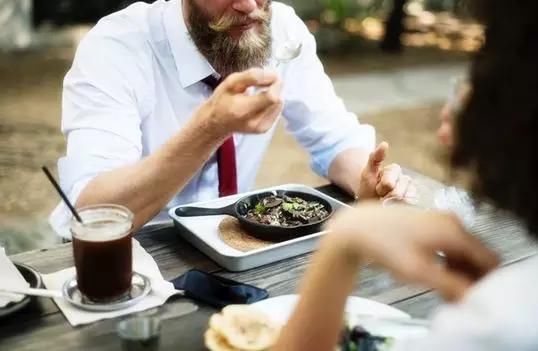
225,156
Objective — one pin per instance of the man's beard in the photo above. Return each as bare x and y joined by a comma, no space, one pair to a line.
225,53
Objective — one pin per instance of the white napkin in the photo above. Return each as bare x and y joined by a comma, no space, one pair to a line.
10,277
143,263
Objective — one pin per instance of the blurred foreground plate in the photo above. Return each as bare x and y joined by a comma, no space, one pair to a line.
34,279
279,309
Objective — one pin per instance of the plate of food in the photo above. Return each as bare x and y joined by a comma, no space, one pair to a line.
368,325
276,215
252,229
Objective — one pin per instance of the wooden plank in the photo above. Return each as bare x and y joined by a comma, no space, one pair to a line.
502,233
192,329
336,193
284,278
47,260
42,326
279,278
52,332
421,305
173,255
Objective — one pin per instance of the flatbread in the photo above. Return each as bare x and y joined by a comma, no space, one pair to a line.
244,328
233,235
216,342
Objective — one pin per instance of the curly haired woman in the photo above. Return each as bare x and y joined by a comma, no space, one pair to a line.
489,308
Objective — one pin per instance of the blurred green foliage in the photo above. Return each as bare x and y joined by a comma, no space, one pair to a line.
339,10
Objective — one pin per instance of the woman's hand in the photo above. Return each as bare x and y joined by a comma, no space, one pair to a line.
401,239
406,241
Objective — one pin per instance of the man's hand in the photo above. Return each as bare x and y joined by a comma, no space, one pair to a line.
445,133
451,110
378,181
406,242
231,110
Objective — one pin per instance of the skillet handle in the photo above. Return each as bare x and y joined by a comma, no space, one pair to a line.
202,211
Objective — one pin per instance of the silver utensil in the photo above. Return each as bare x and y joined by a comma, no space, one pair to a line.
33,292
140,288
288,51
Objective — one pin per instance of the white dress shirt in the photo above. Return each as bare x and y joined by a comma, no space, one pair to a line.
500,313
136,80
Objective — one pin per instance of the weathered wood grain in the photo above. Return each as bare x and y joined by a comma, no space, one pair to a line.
52,332
42,326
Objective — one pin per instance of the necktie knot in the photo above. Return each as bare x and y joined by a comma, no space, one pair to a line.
212,81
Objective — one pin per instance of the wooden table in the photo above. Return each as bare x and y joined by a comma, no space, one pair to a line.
43,327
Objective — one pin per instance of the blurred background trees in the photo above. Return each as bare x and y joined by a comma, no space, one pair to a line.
337,24
400,95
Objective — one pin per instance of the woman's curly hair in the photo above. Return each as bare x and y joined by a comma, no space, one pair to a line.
496,131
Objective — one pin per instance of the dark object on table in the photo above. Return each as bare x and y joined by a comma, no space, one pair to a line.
357,338
35,281
217,291
275,233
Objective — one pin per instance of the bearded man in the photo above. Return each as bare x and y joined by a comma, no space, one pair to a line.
159,110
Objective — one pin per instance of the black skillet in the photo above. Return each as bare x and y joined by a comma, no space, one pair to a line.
268,232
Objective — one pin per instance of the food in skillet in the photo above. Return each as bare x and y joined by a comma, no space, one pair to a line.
356,338
285,211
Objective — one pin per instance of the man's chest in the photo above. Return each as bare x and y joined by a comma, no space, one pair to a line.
173,106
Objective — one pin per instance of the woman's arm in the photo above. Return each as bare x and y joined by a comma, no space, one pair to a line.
317,321
401,239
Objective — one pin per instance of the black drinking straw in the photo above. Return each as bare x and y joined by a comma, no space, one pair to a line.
62,194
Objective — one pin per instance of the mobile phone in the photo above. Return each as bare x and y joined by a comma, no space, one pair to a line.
217,291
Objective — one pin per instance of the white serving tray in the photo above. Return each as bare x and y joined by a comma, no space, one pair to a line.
202,232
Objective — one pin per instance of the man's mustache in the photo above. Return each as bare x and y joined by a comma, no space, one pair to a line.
226,22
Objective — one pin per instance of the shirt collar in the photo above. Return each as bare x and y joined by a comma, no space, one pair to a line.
191,65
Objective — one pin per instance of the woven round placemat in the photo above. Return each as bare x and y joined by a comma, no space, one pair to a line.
233,235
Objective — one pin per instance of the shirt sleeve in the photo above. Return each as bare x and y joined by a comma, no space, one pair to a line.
103,106
498,314
313,112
